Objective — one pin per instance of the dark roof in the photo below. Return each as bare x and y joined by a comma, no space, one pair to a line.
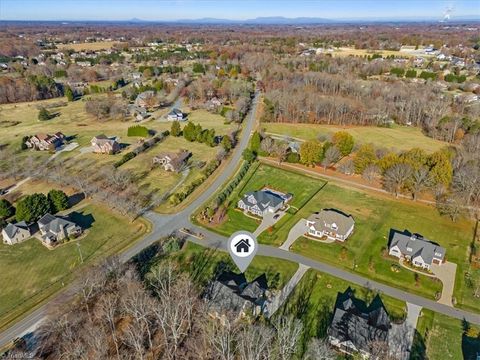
232,292
175,112
263,199
54,224
353,321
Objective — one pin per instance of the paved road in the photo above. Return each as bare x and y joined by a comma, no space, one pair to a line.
161,225
214,240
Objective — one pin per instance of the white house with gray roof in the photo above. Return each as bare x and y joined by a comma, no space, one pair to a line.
16,233
419,251
54,229
263,202
333,224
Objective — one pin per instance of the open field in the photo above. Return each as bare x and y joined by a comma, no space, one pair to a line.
202,263
313,302
374,217
301,187
21,120
348,51
99,45
29,272
441,337
397,137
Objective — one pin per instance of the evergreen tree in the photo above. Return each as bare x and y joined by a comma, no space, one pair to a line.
176,130
32,207
6,209
43,114
58,200
69,93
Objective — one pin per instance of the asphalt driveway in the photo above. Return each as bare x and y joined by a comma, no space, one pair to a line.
446,274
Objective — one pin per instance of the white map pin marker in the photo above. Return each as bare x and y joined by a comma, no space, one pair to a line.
242,246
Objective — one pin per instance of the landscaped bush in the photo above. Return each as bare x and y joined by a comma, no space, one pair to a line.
137,130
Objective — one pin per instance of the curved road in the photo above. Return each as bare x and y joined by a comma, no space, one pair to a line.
164,224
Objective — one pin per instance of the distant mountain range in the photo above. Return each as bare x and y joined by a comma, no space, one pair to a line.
269,20
275,20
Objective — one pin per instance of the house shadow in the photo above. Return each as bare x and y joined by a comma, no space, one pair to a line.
409,234
75,199
71,137
338,212
85,221
392,233
470,347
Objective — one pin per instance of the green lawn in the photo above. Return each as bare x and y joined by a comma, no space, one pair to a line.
261,175
397,137
29,272
302,187
202,263
441,337
313,302
363,252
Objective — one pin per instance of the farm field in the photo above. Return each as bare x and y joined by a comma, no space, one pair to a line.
397,137
99,45
45,271
313,301
349,51
364,251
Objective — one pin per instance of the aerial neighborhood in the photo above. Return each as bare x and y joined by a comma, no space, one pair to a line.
260,188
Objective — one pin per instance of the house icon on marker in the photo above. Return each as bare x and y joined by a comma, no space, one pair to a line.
242,246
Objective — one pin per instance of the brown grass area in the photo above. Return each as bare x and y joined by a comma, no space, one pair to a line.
99,45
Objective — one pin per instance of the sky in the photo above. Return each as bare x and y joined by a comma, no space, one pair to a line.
229,9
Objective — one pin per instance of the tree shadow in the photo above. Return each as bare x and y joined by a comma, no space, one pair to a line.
418,351
75,199
470,347
144,260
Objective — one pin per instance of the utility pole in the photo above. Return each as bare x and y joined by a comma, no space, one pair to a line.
80,252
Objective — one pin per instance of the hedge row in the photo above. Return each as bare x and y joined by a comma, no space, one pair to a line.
233,184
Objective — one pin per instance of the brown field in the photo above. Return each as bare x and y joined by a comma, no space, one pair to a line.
100,45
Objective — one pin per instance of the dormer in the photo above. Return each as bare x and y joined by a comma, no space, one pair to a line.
334,226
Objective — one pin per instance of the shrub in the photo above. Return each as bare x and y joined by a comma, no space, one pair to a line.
43,114
293,157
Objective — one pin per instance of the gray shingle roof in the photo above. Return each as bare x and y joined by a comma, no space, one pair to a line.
414,246
329,217
358,323
12,229
263,198
54,224
232,292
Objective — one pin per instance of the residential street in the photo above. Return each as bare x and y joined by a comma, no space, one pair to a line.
164,224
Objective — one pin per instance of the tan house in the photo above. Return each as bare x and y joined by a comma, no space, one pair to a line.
45,141
16,233
172,161
102,144
333,224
